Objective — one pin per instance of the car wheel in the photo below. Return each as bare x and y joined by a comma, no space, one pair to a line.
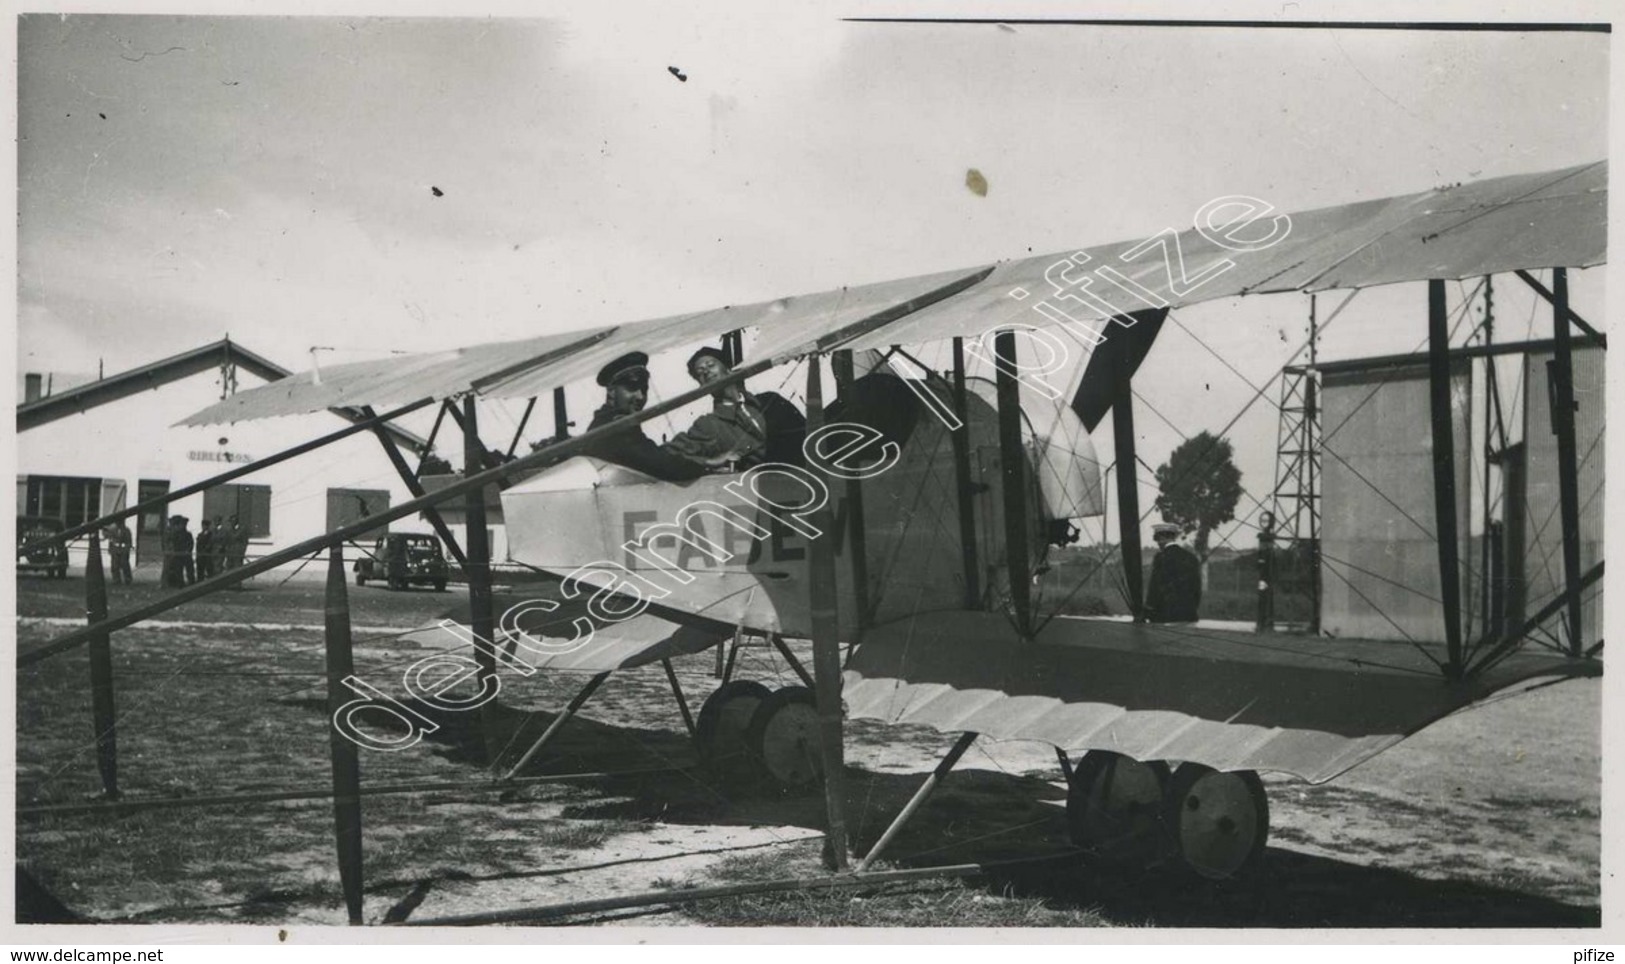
440,585
360,580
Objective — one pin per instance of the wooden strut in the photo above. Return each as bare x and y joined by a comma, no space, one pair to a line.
226,476
414,486
576,702
522,915
561,414
926,789
1568,470
540,459
1563,310
1444,474
962,480
519,433
789,657
1066,764
126,805
344,753
102,714
482,618
428,447
1013,460
733,653
857,531
1511,640
826,644
677,691
1128,492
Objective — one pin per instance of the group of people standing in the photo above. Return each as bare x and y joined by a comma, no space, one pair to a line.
216,548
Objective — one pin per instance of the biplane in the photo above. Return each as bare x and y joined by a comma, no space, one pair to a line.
913,540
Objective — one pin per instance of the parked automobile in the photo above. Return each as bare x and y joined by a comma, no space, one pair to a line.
51,559
401,559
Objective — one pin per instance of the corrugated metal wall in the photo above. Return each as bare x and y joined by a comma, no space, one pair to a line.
1380,562
1543,534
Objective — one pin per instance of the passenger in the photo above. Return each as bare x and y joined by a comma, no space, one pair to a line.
1175,590
758,427
626,391
734,431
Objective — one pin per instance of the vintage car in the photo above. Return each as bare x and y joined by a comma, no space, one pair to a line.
400,559
51,559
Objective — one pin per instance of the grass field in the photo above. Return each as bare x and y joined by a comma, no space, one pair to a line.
1487,819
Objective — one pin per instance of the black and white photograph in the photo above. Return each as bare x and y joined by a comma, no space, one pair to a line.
845,469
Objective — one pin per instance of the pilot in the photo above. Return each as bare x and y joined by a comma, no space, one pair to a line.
626,391
1176,579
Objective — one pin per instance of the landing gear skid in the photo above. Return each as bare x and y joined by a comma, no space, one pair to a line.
1133,814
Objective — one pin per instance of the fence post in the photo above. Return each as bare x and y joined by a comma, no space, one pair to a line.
103,717
346,761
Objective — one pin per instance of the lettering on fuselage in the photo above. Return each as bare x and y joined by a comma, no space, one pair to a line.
666,551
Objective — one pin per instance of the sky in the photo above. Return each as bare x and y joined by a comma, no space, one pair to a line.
367,185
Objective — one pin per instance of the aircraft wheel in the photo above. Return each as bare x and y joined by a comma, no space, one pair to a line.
1114,807
720,731
783,736
1218,820
440,585
360,580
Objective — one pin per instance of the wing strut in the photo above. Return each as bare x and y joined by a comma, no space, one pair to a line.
1568,473
947,763
1444,473
575,704
482,621
821,588
967,497
841,365
1013,461
1128,492
410,479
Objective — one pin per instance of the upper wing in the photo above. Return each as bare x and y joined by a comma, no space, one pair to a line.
1550,219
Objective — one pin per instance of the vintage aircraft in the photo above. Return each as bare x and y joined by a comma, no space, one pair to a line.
921,559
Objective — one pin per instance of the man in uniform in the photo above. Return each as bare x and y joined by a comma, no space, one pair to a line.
205,549
180,551
118,549
1176,579
236,544
626,391
222,539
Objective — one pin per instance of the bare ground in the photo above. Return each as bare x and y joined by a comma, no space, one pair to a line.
1489,818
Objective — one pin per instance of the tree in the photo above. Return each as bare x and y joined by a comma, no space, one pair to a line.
1199,486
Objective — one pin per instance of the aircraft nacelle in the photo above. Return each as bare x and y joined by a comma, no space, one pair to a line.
733,548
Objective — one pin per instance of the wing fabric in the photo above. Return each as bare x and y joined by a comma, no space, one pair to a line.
1548,219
